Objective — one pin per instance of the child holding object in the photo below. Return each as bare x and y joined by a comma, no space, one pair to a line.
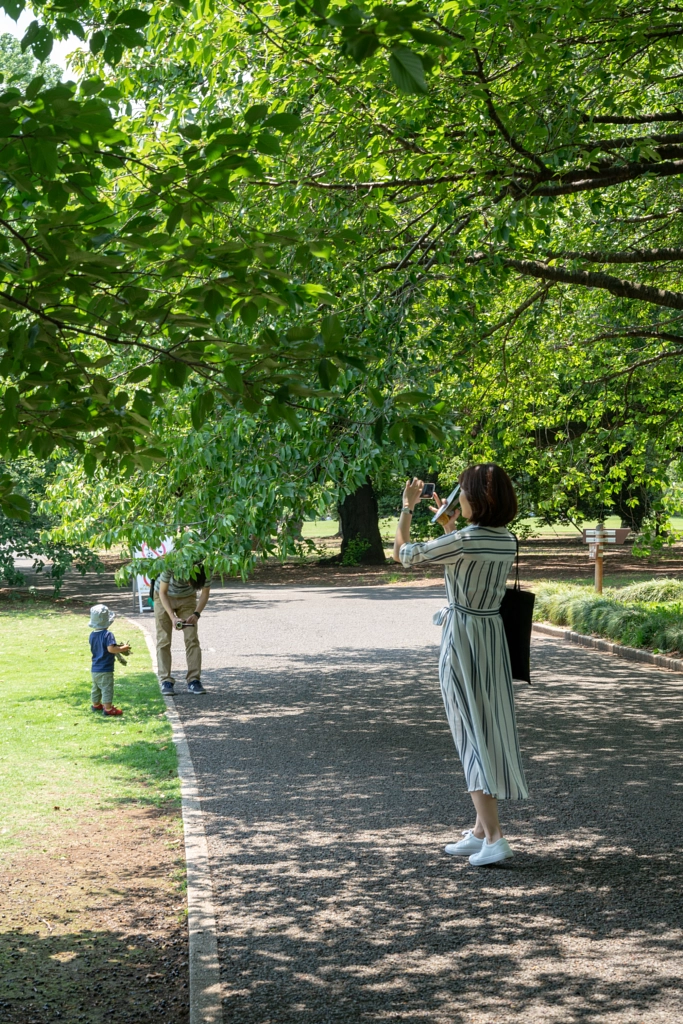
104,650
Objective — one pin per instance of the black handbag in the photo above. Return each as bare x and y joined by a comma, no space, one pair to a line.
517,612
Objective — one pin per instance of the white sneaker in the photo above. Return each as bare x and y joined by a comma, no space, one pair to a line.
491,853
470,844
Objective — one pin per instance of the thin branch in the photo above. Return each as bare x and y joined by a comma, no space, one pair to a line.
540,293
359,186
642,362
495,117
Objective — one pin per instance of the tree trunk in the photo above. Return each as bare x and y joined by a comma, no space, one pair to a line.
359,523
632,515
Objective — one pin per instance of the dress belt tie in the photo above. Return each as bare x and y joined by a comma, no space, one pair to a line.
481,613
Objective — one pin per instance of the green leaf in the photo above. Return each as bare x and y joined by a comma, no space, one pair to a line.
213,302
407,70
13,8
140,373
285,123
233,378
267,144
97,41
256,113
89,464
328,373
133,18
191,131
176,372
300,333
15,506
332,331
126,37
200,408
249,313
34,87
431,38
320,248
350,16
39,39
411,397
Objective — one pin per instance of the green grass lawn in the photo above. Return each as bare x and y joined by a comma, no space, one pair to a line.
54,751
328,527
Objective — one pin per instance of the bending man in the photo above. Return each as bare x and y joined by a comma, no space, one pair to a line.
176,601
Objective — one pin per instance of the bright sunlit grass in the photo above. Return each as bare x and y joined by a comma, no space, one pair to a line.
54,751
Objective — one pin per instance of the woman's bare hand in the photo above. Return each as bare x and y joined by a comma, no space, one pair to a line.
412,492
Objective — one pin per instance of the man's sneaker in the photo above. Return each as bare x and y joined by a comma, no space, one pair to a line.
97,707
167,688
491,853
470,844
112,712
194,686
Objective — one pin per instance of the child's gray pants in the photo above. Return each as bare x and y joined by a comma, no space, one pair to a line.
102,688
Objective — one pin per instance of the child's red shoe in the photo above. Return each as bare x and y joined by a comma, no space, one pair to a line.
97,707
112,712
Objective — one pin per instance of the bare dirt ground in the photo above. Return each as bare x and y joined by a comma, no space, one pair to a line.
93,924
540,559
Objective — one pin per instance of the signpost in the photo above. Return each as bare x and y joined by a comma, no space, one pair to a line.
596,540
141,584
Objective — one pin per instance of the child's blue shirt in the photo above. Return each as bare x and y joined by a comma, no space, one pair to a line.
102,659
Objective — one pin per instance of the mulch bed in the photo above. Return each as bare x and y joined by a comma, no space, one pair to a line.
93,923
539,558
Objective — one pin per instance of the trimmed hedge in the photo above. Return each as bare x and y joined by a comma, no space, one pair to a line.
648,614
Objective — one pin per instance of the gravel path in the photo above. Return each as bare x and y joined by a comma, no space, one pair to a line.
330,786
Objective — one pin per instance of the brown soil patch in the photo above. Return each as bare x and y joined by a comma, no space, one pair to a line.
556,559
93,923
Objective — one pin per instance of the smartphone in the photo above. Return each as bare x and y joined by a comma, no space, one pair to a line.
448,507
428,491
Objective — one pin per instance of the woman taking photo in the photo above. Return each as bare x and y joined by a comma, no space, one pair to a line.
474,666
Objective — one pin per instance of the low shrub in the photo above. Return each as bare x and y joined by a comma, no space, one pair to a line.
628,615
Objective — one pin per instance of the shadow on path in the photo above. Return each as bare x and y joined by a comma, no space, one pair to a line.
330,789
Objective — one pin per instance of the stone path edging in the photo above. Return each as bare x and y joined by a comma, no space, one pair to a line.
206,1006
627,653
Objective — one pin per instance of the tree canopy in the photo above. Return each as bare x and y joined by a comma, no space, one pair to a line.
458,222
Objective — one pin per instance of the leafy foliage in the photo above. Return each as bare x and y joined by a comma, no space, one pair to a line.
29,535
617,615
413,211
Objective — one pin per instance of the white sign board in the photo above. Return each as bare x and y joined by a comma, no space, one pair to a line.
611,536
141,584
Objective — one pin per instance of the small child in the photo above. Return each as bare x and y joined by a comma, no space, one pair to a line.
104,650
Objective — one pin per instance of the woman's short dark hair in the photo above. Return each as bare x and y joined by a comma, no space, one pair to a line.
489,491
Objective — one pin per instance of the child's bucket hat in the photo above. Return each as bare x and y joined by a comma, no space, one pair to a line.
101,617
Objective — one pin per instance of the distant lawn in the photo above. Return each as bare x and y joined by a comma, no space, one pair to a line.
54,751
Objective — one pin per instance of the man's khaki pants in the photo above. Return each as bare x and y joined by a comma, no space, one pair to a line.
183,607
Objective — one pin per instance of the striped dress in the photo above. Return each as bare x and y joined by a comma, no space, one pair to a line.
474,666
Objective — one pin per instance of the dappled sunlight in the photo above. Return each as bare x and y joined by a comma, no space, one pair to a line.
331,785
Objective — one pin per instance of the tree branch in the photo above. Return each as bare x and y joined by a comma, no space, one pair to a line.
635,256
673,115
587,279
586,180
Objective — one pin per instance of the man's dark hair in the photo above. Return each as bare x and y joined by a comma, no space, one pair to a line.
489,491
